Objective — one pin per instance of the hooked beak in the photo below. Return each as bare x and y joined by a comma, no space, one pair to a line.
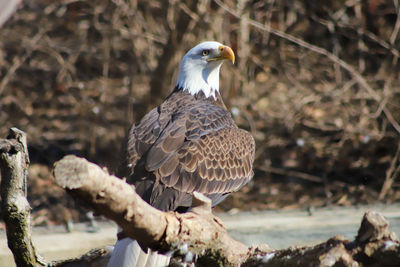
225,53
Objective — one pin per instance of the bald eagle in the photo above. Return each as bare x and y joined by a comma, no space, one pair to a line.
188,143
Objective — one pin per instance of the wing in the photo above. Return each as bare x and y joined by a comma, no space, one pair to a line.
203,151
197,149
138,140
215,164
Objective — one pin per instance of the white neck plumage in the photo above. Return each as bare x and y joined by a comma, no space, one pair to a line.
195,78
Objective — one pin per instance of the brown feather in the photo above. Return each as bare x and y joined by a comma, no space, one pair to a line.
189,143
168,167
172,143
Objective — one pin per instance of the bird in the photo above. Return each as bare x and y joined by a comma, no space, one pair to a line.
188,143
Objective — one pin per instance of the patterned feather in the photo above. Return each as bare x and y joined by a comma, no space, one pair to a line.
189,143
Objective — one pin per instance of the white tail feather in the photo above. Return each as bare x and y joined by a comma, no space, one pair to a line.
128,253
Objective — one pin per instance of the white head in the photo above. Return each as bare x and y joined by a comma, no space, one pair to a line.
199,68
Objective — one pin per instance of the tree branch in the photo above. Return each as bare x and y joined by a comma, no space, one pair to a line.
14,163
353,72
199,230
173,44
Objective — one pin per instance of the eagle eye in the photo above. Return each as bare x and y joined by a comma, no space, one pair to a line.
205,52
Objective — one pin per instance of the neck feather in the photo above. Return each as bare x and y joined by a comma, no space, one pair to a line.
195,79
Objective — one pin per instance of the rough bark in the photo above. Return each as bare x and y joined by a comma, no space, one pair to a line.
373,246
197,231
14,162
203,235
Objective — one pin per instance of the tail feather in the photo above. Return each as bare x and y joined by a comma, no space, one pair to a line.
128,253
156,259
142,259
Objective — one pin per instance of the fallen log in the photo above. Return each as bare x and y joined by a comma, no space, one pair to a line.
197,231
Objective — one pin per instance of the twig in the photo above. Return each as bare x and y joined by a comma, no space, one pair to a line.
330,24
360,42
311,47
360,79
186,9
174,42
14,163
18,61
396,28
301,175
391,174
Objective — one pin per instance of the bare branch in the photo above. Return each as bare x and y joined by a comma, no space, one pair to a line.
396,28
373,37
391,174
114,198
14,163
173,44
357,76
301,175
18,61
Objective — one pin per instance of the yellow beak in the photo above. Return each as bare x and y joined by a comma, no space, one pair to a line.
225,52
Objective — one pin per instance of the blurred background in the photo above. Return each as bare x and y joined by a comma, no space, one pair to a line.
316,83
